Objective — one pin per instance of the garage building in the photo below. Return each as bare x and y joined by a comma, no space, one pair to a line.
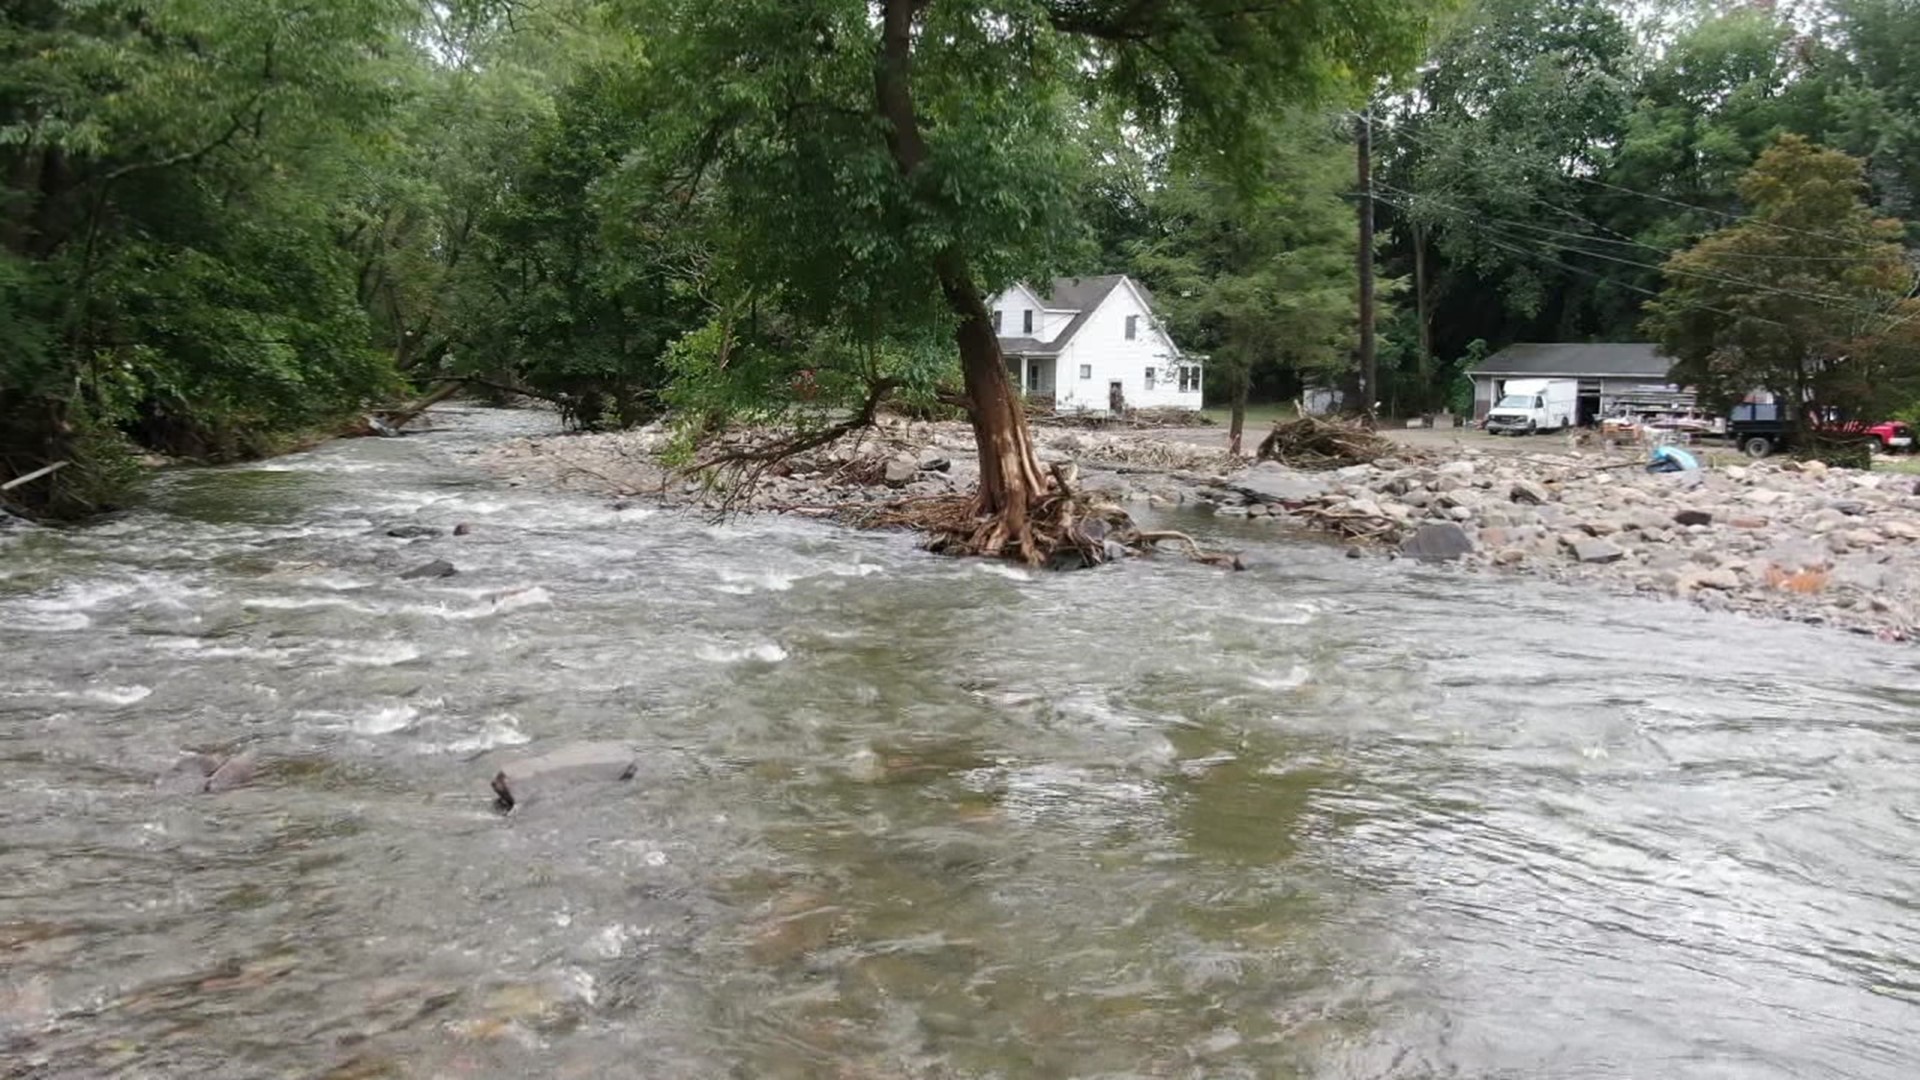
1614,378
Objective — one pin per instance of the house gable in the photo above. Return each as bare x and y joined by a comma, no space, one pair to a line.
1149,367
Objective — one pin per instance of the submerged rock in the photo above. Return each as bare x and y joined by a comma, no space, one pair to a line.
570,766
413,532
206,774
438,568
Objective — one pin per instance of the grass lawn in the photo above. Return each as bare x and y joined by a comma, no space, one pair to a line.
1259,416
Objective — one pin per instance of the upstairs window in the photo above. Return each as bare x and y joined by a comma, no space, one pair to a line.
996,320
1133,327
1149,378
1026,321
1086,371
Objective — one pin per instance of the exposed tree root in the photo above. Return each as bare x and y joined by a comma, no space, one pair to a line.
1064,531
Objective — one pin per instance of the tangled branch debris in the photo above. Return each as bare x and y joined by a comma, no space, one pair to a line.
1313,442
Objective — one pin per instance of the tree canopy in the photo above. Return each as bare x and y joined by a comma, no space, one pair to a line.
225,225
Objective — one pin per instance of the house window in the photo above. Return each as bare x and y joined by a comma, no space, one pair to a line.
1026,321
1133,327
1149,378
996,320
1086,371
1190,378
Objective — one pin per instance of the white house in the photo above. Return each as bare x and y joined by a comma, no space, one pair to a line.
1093,343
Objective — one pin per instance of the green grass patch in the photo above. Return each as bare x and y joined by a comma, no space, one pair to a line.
1259,417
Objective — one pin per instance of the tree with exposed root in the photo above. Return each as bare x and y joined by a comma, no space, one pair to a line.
879,168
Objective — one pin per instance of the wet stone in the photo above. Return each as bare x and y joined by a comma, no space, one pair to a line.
572,766
438,568
1437,543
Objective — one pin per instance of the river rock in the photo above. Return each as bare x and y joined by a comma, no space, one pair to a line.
900,471
936,464
1722,579
1594,550
574,765
438,568
1528,492
1437,543
1272,482
1748,522
204,773
236,771
1692,517
462,529
413,532
1849,507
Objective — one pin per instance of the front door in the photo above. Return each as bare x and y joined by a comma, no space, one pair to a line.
1033,377
1116,397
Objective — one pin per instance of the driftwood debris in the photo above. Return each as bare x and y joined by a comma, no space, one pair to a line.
44,470
1312,442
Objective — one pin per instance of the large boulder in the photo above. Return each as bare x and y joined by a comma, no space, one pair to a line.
901,471
1527,492
1437,543
1596,550
1271,482
572,766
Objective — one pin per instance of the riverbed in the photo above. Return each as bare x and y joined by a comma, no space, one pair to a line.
904,816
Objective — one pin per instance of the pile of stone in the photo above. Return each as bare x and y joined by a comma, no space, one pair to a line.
895,459
1791,540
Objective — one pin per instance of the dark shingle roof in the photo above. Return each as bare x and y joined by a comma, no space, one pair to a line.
1579,358
1081,294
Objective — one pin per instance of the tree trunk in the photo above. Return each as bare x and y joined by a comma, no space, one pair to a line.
1242,381
1010,477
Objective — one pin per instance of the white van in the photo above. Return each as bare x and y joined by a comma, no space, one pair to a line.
1530,405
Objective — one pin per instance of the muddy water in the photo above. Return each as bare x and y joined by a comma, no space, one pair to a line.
898,816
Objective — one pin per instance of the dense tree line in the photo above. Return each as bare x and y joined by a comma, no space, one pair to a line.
228,223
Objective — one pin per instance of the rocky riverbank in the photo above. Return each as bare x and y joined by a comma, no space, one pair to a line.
1786,540
1777,540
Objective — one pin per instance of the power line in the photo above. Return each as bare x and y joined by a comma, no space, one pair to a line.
1405,131
1480,222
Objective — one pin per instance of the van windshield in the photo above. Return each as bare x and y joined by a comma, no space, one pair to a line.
1519,401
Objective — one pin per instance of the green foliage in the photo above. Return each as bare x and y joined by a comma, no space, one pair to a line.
170,273
1260,279
1804,298
1028,109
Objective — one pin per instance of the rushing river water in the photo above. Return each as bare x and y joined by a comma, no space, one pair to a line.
901,816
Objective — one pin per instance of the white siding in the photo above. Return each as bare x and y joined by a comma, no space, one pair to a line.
1102,346
1011,305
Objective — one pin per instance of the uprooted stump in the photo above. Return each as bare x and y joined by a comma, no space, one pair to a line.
1312,442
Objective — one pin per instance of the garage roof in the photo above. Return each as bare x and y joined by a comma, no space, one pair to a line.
1578,360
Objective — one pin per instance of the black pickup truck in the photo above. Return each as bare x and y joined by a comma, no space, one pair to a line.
1759,430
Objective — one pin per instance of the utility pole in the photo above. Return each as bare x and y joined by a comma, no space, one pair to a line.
1369,388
